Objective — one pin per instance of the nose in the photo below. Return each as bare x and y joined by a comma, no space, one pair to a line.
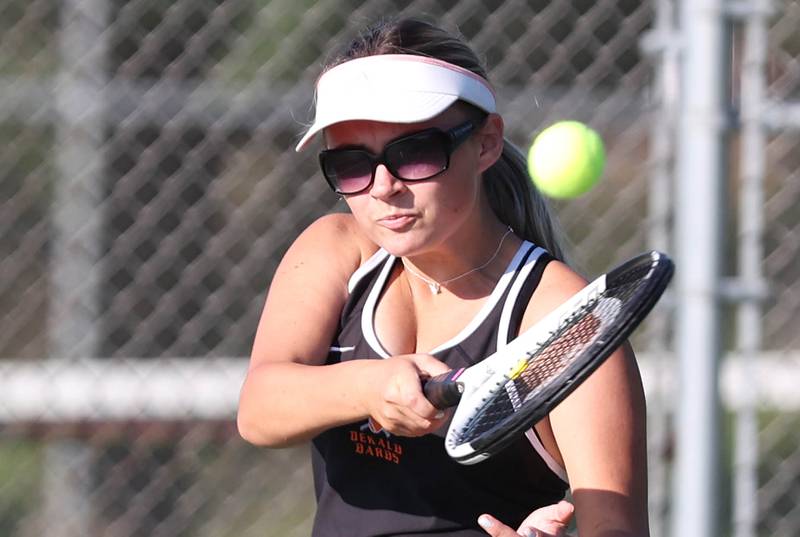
385,185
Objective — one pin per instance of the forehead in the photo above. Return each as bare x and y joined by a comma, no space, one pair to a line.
373,135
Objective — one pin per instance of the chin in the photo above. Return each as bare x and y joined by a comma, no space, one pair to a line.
398,249
401,244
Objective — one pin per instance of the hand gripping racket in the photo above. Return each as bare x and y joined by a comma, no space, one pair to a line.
506,393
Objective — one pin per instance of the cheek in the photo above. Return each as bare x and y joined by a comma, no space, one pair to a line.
363,211
356,206
462,188
455,200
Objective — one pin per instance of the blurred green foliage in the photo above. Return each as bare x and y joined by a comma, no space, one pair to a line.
20,477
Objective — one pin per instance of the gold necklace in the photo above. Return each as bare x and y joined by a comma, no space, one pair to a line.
436,287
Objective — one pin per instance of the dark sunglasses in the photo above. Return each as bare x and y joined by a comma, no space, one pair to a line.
414,157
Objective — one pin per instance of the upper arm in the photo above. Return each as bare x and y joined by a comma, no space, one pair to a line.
601,433
599,429
308,292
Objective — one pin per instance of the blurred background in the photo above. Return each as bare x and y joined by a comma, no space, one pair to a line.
149,187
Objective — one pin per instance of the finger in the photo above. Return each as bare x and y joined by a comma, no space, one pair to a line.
419,405
407,398
565,511
495,528
549,520
559,512
405,422
428,365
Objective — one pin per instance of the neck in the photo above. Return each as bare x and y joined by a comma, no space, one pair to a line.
446,277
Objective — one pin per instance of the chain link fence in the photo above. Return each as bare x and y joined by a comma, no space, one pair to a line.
779,439
148,188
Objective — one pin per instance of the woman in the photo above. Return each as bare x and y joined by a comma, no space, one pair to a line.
447,254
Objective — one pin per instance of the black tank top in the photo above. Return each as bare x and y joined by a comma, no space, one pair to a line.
370,483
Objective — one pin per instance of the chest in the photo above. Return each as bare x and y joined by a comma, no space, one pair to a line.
382,317
404,325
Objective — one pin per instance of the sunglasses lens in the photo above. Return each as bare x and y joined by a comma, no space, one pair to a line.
413,158
417,158
349,171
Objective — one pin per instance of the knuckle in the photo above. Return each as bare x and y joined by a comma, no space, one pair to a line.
410,399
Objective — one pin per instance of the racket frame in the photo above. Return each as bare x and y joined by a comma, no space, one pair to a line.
479,381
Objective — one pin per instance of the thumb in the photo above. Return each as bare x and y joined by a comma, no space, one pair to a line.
562,511
428,364
549,520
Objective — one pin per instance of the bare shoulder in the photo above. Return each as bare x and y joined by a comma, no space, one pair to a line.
320,261
343,228
336,223
336,240
308,291
559,282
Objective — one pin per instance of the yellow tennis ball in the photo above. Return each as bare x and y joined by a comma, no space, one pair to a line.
566,159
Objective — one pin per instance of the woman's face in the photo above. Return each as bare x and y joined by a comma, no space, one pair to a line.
408,218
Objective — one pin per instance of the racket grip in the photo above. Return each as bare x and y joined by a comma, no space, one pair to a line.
442,390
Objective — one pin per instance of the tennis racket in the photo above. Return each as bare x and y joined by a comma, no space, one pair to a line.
506,393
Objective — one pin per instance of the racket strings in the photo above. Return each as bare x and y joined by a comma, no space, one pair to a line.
542,368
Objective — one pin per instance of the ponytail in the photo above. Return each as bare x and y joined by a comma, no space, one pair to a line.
518,204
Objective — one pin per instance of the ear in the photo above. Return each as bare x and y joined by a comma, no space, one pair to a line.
491,141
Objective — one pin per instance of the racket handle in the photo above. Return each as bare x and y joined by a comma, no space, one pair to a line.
442,390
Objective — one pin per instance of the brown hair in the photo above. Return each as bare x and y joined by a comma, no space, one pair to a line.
512,196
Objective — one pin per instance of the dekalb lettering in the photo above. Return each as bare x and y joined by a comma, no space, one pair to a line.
379,447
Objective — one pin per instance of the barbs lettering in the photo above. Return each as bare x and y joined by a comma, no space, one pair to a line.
379,447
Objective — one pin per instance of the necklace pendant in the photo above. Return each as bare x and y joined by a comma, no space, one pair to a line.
434,287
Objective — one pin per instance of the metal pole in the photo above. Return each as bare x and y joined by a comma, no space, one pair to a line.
77,225
699,202
751,222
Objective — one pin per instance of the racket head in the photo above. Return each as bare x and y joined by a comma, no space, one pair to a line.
524,381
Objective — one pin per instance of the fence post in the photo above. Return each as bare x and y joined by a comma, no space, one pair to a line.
76,253
700,169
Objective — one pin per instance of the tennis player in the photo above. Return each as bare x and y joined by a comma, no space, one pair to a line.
447,253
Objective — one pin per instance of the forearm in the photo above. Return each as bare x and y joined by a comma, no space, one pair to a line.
285,403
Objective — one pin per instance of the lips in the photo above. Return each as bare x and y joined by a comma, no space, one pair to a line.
397,222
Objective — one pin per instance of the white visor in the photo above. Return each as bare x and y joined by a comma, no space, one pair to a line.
394,88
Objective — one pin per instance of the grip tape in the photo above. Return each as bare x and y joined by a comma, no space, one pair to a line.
443,391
